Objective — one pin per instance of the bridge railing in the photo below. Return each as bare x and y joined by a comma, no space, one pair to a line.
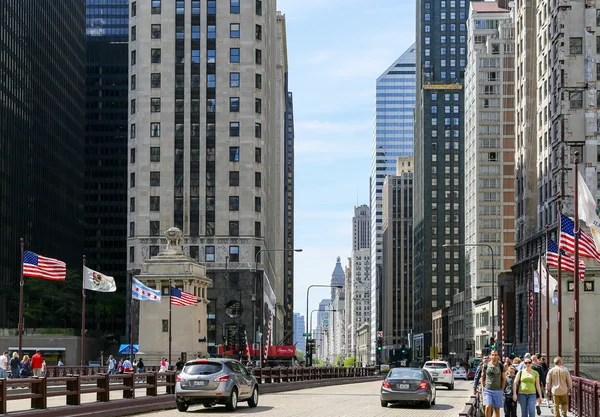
75,385
584,400
283,375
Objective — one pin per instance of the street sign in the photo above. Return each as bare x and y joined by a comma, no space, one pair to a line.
306,334
379,334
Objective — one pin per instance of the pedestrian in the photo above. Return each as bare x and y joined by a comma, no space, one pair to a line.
510,406
494,381
140,366
478,374
26,370
37,364
180,364
522,363
525,388
4,365
507,363
537,366
120,367
127,366
60,362
111,362
15,365
559,384
163,365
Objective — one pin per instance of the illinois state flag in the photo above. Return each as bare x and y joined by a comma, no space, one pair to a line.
95,281
141,292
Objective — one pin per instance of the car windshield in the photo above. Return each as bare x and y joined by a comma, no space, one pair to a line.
436,365
203,368
405,374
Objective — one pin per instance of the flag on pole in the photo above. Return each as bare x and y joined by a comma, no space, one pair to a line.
536,281
567,261
181,298
587,247
247,347
546,277
268,336
531,306
588,210
95,281
143,293
38,266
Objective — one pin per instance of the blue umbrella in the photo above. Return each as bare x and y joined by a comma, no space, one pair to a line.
124,349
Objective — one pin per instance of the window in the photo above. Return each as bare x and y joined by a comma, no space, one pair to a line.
155,105
234,228
257,155
154,249
155,178
132,180
259,7
258,81
156,6
234,129
234,79
234,178
257,179
154,203
212,32
209,254
154,228
155,56
576,99
133,36
131,229
234,203
234,55
234,254
132,58
133,82
257,130
165,323
258,105
234,153
257,229
154,154
132,254
258,32
155,31
258,57
257,204
132,130
133,9
154,80
211,7
155,129
211,80
180,7
575,46
234,30
132,106
234,6
132,155
234,107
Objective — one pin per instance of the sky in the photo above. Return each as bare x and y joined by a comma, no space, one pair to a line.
336,51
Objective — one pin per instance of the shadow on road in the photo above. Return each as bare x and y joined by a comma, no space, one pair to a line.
420,406
220,409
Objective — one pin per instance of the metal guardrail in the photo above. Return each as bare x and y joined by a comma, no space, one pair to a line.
283,375
584,400
78,384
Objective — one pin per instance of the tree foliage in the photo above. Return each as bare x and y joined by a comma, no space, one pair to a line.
350,362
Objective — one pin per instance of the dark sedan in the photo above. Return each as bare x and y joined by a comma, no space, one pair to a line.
408,385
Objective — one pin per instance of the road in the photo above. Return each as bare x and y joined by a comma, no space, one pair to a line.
356,400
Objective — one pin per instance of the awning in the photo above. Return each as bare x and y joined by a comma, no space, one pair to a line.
124,349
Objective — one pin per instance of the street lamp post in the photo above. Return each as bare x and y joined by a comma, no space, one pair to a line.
454,245
307,291
255,298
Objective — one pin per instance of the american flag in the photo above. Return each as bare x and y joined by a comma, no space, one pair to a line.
587,247
39,266
182,298
567,262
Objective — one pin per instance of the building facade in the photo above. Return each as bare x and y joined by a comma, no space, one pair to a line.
207,129
299,329
393,137
337,307
489,197
42,113
397,282
439,159
361,227
358,301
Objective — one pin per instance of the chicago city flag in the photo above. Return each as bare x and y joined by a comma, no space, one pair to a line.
143,293
95,281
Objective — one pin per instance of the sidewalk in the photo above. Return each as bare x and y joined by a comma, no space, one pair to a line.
546,411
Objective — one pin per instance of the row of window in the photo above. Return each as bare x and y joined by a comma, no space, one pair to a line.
211,80
234,130
443,4
234,230
234,7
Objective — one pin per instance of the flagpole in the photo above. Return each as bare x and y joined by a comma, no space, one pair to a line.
83,315
547,304
539,299
559,295
21,303
576,273
131,324
170,320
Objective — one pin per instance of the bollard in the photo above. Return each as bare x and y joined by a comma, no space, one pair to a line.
151,379
128,382
39,387
104,385
74,385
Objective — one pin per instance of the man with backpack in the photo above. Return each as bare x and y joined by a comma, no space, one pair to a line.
493,378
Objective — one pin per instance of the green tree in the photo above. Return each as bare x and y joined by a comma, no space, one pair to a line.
339,361
318,362
350,362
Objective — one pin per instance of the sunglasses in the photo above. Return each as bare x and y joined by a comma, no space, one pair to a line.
527,363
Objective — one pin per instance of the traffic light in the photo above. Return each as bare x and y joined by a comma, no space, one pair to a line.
403,350
379,343
492,343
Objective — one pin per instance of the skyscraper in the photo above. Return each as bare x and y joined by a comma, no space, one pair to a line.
361,237
439,160
42,102
208,132
299,329
106,158
393,137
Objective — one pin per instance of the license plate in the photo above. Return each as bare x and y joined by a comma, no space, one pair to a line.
403,386
434,374
198,383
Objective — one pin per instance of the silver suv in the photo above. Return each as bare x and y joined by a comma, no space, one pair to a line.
215,381
441,373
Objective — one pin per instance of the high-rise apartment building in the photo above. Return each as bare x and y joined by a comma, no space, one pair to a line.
397,281
106,147
42,113
439,161
299,328
361,227
393,137
208,134
489,196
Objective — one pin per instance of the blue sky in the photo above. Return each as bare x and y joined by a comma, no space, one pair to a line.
336,51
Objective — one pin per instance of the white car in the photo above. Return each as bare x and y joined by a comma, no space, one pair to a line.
441,373
459,372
